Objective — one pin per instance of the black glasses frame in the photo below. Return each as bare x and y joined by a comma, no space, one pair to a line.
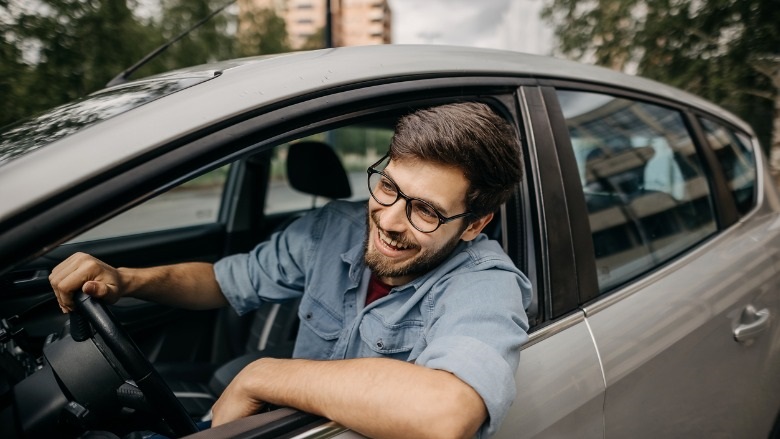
399,194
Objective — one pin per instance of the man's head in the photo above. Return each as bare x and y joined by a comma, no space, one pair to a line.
443,162
471,137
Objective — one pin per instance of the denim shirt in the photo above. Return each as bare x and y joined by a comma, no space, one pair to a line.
466,316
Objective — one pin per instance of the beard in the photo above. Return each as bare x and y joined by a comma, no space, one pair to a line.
425,261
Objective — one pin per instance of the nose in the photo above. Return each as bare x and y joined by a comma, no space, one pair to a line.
393,218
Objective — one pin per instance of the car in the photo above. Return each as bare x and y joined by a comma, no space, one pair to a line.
646,221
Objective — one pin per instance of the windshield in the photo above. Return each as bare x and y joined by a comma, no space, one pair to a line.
33,133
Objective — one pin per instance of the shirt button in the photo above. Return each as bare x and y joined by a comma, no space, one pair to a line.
380,344
308,316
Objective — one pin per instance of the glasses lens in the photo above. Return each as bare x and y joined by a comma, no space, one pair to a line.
423,216
384,191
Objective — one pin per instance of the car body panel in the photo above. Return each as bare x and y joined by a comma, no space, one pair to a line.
568,395
679,354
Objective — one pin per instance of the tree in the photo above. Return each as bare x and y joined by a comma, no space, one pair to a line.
209,42
55,51
66,49
315,40
13,74
727,51
261,32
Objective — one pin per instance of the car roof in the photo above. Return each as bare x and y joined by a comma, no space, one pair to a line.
248,84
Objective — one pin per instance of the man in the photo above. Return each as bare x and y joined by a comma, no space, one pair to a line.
408,277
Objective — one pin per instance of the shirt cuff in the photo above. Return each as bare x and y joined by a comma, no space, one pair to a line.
481,367
232,275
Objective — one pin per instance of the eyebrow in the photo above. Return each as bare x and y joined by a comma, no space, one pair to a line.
436,205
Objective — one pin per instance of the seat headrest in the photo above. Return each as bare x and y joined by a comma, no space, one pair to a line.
314,168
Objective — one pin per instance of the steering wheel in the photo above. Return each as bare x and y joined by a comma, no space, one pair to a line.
156,392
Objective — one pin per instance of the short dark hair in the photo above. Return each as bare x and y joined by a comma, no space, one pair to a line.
471,137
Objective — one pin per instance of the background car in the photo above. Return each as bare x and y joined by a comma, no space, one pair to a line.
646,221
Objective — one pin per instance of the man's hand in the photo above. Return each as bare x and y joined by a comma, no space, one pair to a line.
88,274
237,401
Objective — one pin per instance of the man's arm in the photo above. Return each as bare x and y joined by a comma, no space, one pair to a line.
377,397
190,285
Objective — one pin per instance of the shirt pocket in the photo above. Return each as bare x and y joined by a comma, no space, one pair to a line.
393,340
319,319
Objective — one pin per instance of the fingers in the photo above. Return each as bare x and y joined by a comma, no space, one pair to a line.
234,403
80,272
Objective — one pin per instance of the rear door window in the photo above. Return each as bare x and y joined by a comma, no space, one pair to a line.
733,150
647,196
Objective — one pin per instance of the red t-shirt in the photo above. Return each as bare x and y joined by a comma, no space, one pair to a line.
376,289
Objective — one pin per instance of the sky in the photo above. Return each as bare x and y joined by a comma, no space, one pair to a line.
498,24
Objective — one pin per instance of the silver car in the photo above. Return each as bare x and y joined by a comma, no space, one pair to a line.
646,220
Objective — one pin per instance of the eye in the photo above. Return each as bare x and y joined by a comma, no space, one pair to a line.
425,212
387,186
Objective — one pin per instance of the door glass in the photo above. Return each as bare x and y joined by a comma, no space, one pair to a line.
195,202
647,196
737,160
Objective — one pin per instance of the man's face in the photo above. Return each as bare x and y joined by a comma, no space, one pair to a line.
397,252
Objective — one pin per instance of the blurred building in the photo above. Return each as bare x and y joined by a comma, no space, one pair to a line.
354,22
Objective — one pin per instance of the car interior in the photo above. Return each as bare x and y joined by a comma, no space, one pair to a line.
197,353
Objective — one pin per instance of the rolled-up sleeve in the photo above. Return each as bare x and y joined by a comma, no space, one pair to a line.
274,270
477,335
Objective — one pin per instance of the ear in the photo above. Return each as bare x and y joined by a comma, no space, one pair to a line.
476,227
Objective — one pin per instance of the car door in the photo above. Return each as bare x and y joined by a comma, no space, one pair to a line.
686,281
560,385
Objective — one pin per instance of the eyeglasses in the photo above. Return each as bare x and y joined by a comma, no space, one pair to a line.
420,213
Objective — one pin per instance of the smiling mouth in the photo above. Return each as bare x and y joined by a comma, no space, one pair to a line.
392,243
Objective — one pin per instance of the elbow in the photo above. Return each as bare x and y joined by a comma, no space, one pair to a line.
458,417
450,428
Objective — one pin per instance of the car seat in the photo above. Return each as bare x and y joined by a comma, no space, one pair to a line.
312,168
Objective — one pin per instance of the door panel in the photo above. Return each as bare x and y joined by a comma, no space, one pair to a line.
675,287
560,387
672,364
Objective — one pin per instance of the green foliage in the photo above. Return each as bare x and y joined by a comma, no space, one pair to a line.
315,40
55,51
80,46
712,48
262,32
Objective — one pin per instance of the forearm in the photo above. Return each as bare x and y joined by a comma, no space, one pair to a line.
380,398
189,285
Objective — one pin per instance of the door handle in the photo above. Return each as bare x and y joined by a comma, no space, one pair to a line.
752,323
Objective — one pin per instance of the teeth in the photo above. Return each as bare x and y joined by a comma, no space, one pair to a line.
392,242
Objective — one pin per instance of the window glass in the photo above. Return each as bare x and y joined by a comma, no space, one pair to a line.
737,160
357,147
647,196
193,203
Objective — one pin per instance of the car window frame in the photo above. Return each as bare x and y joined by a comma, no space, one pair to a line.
723,205
731,212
